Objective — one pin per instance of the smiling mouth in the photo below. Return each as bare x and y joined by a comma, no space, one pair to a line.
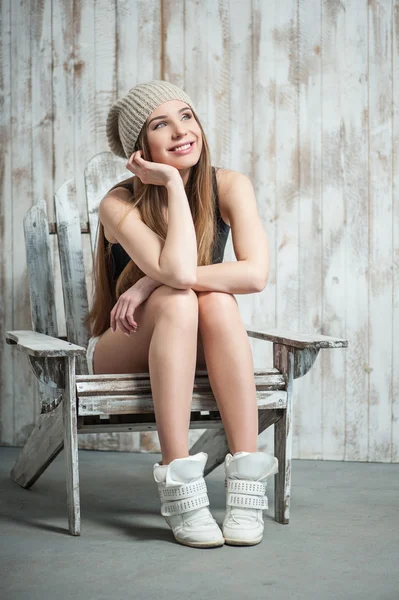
182,147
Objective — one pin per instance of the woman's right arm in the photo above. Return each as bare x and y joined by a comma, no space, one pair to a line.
179,253
173,261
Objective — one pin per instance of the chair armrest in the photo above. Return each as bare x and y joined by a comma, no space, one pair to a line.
296,339
41,345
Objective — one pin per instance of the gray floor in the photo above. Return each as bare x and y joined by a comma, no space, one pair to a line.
342,541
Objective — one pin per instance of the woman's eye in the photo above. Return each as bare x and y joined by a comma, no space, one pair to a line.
163,122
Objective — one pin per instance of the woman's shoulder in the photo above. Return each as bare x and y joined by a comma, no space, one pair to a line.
114,205
123,189
226,178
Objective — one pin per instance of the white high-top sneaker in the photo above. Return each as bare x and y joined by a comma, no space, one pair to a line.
183,493
246,499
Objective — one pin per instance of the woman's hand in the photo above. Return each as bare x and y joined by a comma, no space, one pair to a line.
150,172
123,312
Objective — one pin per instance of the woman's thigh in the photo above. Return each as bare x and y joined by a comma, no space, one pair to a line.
116,352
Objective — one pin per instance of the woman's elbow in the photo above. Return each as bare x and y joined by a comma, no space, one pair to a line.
188,282
184,282
260,282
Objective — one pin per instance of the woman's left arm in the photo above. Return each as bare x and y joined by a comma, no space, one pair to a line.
249,274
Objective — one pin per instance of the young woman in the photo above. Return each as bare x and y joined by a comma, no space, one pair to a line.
164,303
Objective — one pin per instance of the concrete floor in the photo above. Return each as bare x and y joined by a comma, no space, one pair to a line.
342,542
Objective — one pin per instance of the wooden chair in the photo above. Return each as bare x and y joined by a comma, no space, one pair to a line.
74,402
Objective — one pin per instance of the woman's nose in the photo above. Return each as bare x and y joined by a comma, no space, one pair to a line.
179,130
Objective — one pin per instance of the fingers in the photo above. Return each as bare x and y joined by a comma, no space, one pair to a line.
139,159
122,316
131,164
129,317
127,320
134,160
112,318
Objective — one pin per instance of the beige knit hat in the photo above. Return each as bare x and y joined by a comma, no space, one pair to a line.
128,114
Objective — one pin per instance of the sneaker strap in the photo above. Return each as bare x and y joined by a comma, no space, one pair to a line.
182,506
185,490
246,494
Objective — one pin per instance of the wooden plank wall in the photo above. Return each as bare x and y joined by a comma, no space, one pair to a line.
300,95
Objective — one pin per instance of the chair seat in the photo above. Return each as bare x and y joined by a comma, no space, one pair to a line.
131,393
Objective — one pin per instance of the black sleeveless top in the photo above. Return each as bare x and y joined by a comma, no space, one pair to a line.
121,257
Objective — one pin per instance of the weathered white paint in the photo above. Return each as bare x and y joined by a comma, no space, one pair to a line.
37,344
380,243
141,403
71,447
354,107
72,268
395,223
307,439
287,95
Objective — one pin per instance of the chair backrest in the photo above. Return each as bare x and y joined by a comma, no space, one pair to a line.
102,172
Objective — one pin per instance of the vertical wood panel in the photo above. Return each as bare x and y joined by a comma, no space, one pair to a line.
84,93
355,122
196,60
381,250
241,111
287,175
72,268
42,115
218,83
63,97
174,51
395,221
333,223
6,272
127,45
25,388
105,66
263,309
307,415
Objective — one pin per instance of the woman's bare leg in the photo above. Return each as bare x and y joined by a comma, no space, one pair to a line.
229,363
172,363
165,345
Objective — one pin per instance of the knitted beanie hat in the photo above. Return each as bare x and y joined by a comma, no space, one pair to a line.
128,114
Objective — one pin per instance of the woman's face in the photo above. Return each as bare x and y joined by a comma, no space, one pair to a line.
170,125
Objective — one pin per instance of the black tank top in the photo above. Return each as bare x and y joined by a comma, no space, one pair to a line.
121,257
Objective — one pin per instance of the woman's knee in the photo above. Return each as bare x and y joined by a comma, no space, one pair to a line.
216,305
172,301
215,300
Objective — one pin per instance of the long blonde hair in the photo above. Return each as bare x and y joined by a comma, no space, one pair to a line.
151,201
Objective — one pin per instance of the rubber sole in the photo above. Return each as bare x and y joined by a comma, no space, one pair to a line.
231,542
200,544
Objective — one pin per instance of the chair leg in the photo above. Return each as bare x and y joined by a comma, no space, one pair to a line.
282,479
214,443
41,448
71,448
284,360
